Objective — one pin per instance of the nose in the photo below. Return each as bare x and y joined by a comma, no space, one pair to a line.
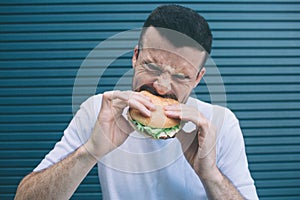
163,84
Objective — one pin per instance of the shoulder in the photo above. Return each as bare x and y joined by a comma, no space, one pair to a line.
92,101
91,105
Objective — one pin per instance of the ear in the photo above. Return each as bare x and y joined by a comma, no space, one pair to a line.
200,76
135,55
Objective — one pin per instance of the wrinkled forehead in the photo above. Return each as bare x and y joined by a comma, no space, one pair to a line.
158,42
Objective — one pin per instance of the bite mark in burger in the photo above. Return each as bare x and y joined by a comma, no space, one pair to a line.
158,125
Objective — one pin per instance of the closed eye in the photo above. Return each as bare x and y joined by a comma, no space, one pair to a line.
152,66
181,76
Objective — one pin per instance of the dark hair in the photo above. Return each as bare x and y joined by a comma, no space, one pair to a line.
180,19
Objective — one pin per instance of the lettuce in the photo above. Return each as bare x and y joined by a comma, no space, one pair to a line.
157,132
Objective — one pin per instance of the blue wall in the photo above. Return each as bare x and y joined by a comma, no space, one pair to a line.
43,44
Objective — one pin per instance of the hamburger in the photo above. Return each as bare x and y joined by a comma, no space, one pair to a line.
159,126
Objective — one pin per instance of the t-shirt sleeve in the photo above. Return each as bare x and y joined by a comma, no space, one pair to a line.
232,159
76,134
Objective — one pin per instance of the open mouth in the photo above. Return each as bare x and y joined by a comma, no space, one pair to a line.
153,91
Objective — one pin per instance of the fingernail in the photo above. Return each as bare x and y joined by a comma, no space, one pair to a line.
168,113
167,107
147,113
153,107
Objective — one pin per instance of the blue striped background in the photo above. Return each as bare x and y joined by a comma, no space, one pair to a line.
256,48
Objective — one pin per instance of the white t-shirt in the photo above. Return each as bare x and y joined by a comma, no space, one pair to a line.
146,168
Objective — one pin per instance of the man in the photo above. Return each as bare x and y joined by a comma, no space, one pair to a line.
207,158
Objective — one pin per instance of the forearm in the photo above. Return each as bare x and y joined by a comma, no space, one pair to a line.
58,181
218,186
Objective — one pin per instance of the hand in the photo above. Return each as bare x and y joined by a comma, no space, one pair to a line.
111,128
199,146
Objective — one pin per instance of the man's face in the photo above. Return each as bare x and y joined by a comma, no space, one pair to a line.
166,70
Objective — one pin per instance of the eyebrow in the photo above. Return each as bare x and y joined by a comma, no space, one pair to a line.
150,58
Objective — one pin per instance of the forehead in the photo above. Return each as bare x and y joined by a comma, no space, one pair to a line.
160,50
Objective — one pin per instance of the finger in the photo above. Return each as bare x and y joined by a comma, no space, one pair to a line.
140,102
174,111
131,99
110,95
185,113
117,94
173,107
180,111
140,107
143,99
174,114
